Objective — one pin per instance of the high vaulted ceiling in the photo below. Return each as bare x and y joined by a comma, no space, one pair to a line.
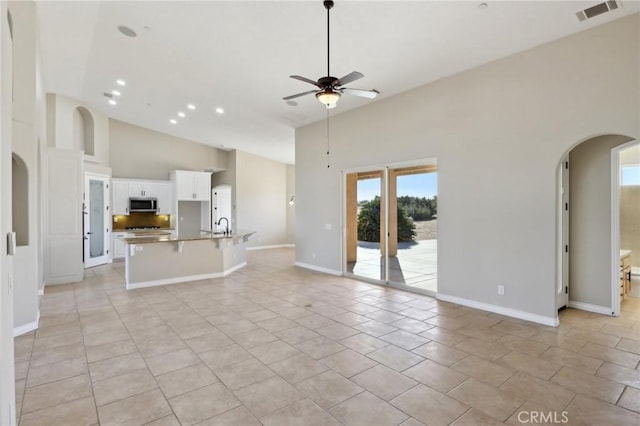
238,55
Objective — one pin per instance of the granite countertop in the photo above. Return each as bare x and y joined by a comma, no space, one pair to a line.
203,235
625,253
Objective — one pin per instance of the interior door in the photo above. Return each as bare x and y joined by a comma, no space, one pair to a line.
96,220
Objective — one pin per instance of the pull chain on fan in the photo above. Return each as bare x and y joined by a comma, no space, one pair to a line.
330,88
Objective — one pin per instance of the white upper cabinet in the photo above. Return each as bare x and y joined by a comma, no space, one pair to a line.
144,189
192,186
162,191
120,195
123,189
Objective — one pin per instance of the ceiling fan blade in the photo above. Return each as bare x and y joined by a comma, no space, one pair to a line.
298,95
306,80
353,76
370,94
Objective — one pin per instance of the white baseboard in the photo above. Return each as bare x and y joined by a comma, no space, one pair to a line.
318,268
540,319
70,279
235,268
604,310
177,280
26,328
271,247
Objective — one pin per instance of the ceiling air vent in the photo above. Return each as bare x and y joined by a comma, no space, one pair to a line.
598,9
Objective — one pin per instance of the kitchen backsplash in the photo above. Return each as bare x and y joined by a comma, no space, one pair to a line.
141,220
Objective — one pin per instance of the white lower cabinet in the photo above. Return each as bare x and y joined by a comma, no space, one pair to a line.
118,246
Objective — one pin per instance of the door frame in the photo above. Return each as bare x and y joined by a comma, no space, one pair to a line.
562,237
616,172
105,258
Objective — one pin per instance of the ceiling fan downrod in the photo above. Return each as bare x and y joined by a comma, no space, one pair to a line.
328,4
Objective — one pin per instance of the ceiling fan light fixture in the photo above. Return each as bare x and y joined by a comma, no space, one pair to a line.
328,96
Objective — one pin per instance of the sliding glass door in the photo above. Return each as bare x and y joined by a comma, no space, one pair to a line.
391,226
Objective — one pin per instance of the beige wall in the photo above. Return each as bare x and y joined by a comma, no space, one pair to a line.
261,199
630,222
136,152
498,132
590,220
291,210
630,208
61,127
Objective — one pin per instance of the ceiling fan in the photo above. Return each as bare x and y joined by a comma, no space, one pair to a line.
329,89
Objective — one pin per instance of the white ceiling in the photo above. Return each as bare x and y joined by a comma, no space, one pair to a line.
238,55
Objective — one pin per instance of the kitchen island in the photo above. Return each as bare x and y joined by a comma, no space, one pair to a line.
168,259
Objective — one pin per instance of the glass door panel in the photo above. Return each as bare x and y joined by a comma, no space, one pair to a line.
96,218
363,199
413,241
96,221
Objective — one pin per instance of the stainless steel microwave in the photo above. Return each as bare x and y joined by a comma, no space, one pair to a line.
143,205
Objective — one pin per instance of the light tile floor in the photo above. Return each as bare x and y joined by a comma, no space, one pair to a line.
273,344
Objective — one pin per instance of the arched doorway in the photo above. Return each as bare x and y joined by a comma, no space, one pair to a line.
587,225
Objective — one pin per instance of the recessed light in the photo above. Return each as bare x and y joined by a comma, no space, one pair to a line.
112,102
181,114
220,110
172,121
115,93
121,82
191,106
124,30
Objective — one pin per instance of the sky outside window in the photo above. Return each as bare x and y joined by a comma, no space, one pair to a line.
418,185
631,175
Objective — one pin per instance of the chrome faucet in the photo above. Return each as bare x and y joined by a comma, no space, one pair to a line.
226,232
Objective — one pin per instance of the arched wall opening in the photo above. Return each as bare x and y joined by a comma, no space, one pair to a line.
587,226
20,199
83,130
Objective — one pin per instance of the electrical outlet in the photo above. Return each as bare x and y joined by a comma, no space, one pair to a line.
501,290
313,255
